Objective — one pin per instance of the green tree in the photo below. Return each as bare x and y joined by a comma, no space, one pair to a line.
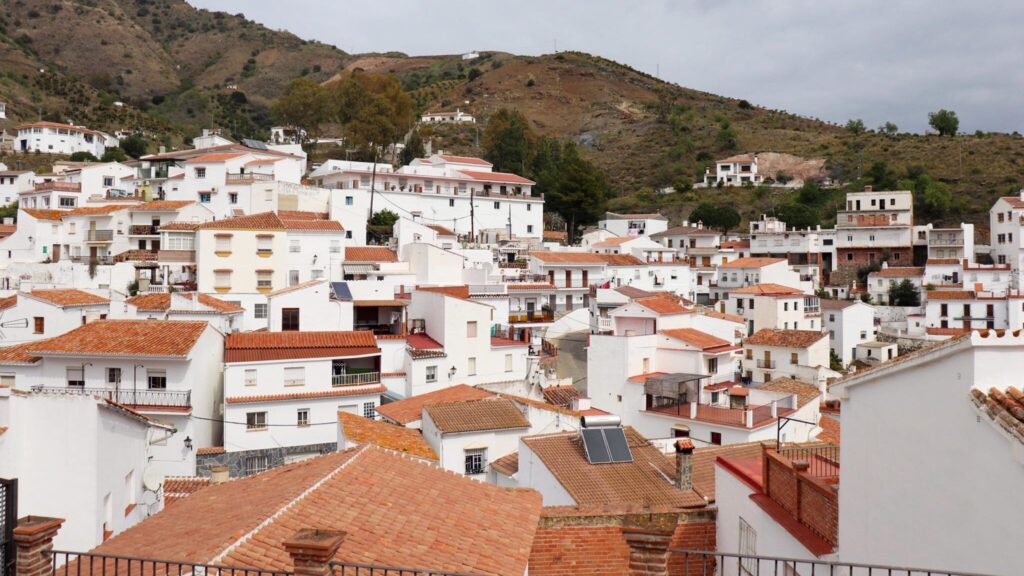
726,139
834,361
934,199
413,148
83,156
474,73
9,211
719,216
384,218
303,105
114,155
580,193
856,126
797,215
889,129
509,143
882,177
945,122
904,293
134,146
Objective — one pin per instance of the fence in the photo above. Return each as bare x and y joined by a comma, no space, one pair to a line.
8,520
704,563
128,396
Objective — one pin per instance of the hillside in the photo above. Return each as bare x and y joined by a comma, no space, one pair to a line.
177,69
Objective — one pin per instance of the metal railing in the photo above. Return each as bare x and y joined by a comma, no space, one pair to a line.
99,235
705,563
355,379
91,564
143,230
822,461
353,569
128,396
247,177
535,316
8,520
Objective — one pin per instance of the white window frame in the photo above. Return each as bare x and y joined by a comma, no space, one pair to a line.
294,376
431,373
256,420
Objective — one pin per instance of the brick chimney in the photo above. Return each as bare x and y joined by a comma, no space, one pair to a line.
648,551
33,539
684,464
312,550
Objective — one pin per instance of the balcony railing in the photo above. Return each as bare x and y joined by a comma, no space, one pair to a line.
822,461
357,379
104,259
57,187
248,177
769,364
535,316
143,230
99,236
488,289
130,397
710,563
176,256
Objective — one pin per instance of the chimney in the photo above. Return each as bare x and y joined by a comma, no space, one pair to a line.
868,188
220,474
312,551
8,221
684,464
648,550
33,541
580,404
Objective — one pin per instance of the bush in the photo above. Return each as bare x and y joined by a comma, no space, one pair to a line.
473,74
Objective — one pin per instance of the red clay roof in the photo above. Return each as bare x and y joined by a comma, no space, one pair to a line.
496,177
476,415
8,302
1004,407
899,272
829,429
162,206
685,231
805,393
569,257
299,286
374,495
704,463
562,396
453,291
260,346
411,409
43,124
64,297
50,215
260,221
370,254
391,436
464,160
723,316
951,295
440,230
126,338
177,487
215,157
695,337
359,390
767,290
752,262
161,302
310,225
301,214
662,304
785,338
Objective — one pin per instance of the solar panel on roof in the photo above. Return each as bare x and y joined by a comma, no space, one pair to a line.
254,144
341,291
618,447
595,446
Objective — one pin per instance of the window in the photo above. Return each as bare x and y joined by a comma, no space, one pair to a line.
497,205
156,379
222,243
293,277
260,310
716,438
712,366
7,381
264,279
529,228
750,354
76,375
349,201
431,373
256,464
294,376
528,207
66,202
335,246
204,197
302,417
475,462
129,488
289,319
179,241
748,547
451,202
471,366
793,358
233,198
250,377
113,376
256,421
264,245
316,274
508,362
222,279
200,173
39,325
369,411
294,246
471,329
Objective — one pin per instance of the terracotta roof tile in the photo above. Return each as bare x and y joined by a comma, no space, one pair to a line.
685,231
1004,407
526,286
899,272
563,396
126,338
621,260
391,436
767,290
704,463
370,254
181,226
694,337
410,409
833,304
642,481
785,338
260,221
20,353
161,302
507,464
376,496
260,346
162,206
613,242
569,257
215,157
440,230
50,215
829,429
461,292
314,225
302,214
951,295
465,160
65,297
752,262
662,304
805,393
8,302
722,316
497,177
97,210
299,286
359,390
177,487
633,292
476,415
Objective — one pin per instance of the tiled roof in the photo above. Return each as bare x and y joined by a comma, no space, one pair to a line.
301,214
829,429
126,338
359,390
51,215
642,481
562,395
752,262
736,244
20,353
631,292
97,210
662,304
215,157
951,295
1004,407
162,206
370,254
1014,201
181,226
942,261
422,342
8,302
722,316
621,260
177,487
65,297
525,286
161,301
575,550
694,337
440,230
635,216
767,290
555,235
685,231
613,242
260,221
476,415
833,304
299,286
465,160
43,124
899,272
7,229
936,331
569,257
378,497
736,158
507,464
309,225
785,338
496,177
805,393
704,463
260,346
411,409
461,292
391,436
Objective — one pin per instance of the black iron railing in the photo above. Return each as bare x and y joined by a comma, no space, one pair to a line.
82,564
351,569
822,461
8,520
128,396
703,563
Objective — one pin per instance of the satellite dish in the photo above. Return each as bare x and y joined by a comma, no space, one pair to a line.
152,479
149,498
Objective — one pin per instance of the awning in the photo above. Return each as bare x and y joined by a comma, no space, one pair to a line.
357,268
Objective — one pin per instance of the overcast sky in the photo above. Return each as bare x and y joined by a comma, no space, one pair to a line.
878,60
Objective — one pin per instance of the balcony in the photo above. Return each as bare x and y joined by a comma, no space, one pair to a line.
102,236
357,379
488,290
534,316
766,364
140,398
247,177
136,256
182,256
741,417
143,230
57,187
102,259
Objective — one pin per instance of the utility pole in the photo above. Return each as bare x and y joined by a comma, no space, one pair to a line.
373,181
510,221
472,217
